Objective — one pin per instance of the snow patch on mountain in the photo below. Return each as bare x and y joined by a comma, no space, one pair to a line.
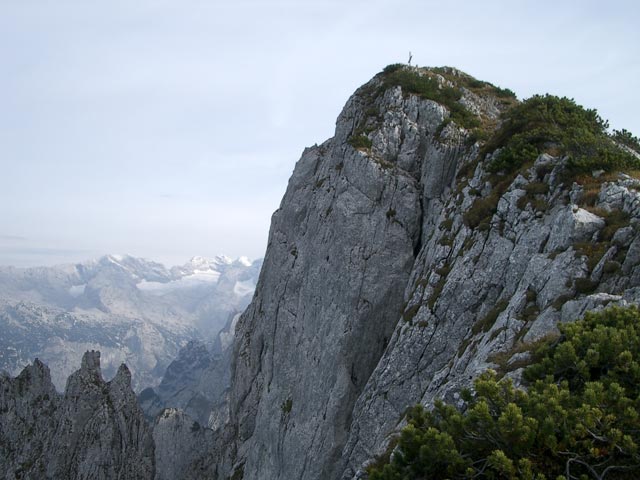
131,309
198,278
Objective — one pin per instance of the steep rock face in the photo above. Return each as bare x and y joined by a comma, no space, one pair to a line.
95,430
196,382
28,404
475,298
341,250
180,442
381,290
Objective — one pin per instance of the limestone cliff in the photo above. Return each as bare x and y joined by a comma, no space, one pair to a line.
180,443
94,431
399,267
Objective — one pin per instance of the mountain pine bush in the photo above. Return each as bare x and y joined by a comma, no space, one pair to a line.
546,123
577,419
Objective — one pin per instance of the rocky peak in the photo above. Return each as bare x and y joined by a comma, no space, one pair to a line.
430,239
91,363
36,376
445,229
120,386
96,430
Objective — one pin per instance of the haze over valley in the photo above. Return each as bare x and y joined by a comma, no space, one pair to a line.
132,310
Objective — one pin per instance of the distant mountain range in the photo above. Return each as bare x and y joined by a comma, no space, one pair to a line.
133,310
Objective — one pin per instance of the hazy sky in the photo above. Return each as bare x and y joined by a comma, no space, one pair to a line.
167,129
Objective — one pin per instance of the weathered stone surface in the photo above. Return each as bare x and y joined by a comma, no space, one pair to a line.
94,431
195,383
573,224
28,405
181,440
376,294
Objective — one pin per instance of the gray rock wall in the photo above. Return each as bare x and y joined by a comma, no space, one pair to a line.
340,252
94,431
181,441
378,292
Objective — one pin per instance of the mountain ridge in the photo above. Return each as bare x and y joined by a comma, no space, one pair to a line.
94,430
131,309
404,256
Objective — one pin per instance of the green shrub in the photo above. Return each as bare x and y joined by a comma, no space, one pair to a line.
238,473
446,224
626,138
473,84
505,92
441,127
530,312
360,141
444,270
446,241
533,196
410,312
537,188
613,220
482,210
392,68
585,285
579,418
485,324
593,252
559,126
437,290
531,295
286,406
611,267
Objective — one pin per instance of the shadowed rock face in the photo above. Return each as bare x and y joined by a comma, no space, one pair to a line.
196,382
95,430
341,250
376,294
182,441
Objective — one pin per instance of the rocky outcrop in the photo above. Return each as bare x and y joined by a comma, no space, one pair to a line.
28,407
398,268
95,430
182,442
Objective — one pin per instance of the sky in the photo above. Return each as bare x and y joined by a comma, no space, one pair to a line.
167,129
